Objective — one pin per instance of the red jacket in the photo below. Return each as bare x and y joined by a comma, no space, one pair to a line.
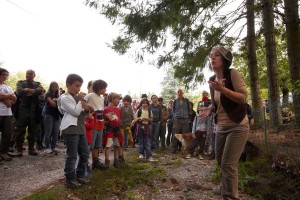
89,125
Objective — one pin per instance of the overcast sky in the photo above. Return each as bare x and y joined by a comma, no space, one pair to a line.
58,37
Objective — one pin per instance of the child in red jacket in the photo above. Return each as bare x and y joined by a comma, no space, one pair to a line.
89,125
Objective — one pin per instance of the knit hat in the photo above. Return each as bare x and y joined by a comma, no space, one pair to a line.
226,54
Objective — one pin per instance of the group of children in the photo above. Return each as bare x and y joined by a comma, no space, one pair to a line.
84,119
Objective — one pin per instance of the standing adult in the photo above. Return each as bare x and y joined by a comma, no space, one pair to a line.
229,94
163,123
28,92
7,98
155,125
170,123
181,118
52,118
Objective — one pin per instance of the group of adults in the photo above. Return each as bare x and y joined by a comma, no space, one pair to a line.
228,92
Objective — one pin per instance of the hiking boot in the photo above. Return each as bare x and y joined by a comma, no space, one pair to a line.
56,150
98,165
19,150
31,150
117,163
72,184
107,162
83,180
5,157
121,159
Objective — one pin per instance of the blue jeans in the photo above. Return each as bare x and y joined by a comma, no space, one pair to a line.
51,131
144,143
76,146
155,135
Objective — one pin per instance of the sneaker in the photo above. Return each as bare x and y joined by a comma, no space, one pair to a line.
56,150
5,157
150,159
48,151
188,156
200,157
72,184
83,180
141,156
12,154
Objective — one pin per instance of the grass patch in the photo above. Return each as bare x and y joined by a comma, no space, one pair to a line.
177,162
257,179
119,182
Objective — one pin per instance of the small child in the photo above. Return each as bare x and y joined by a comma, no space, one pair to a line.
199,132
89,125
96,101
126,119
112,136
73,107
143,119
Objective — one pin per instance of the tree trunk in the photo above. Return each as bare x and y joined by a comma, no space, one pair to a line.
252,65
293,46
285,97
272,68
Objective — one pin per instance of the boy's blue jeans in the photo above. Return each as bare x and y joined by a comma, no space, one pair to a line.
76,145
144,143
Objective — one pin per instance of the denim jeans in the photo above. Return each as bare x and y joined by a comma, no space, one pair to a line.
162,135
51,131
144,143
155,135
76,146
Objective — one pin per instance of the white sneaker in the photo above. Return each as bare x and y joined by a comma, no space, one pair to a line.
56,150
200,157
48,151
141,156
151,159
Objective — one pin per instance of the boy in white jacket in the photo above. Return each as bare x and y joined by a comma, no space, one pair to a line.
199,132
73,107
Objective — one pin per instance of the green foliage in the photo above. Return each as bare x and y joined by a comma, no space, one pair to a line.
241,61
185,30
170,86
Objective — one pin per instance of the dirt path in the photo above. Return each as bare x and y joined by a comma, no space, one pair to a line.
189,180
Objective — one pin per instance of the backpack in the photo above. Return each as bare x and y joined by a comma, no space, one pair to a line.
140,112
